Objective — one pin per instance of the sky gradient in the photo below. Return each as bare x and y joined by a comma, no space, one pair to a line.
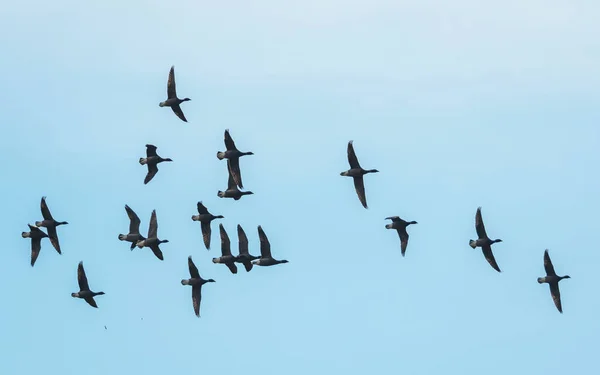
458,105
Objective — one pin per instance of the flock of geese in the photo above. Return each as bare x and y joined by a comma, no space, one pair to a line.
232,154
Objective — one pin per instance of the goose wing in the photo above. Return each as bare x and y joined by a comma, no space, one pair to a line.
91,301
134,221
196,298
232,267
265,246
225,242
243,240
234,168
171,88
82,278
177,110
151,150
489,256
156,250
555,292
36,246
153,227
359,185
479,227
193,269
152,171
352,159
548,266
229,143
202,210
231,185
45,210
403,234
393,218
206,231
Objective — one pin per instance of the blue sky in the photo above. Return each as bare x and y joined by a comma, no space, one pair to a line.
458,105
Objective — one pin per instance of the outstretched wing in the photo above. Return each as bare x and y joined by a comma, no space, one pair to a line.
171,89
82,278
229,143
243,240
265,246
489,256
359,185
134,221
91,301
156,250
153,228
225,243
177,110
555,291
151,150
479,227
45,210
196,298
231,185
36,245
403,240
193,269
202,210
206,231
549,267
352,159
234,169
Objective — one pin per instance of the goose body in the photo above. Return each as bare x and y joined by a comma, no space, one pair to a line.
226,258
357,173
244,256
152,160
134,229
152,240
36,235
172,100
232,189
50,224
233,155
400,226
265,251
84,289
552,280
196,283
205,218
483,241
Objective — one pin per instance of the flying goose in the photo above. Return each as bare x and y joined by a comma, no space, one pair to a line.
84,289
400,226
232,189
196,282
134,228
357,173
205,217
151,160
265,251
50,224
233,154
484,241
245,258
172,100
36,236
226,258
552,280
152,241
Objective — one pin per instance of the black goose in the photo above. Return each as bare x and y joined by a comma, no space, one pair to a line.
205,217
233,154
265,251
245,258
552,280
152,241
151,160
232,189
400,226
196,282
50,224
84,289
36,235
357,173
134,229
172,100
226,258
484,241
